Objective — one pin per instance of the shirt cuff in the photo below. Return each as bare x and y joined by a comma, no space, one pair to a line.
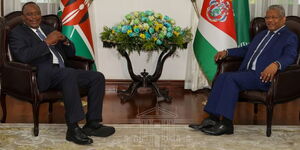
279,65
226,52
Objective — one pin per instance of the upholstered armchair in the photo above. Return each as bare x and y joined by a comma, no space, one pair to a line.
19,80
285,85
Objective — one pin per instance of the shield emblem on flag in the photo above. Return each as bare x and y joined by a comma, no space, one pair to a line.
75,12
76,25
218,10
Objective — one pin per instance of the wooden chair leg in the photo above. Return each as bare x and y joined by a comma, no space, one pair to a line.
255,108
3,105
50,116
35,111
50,107
269,119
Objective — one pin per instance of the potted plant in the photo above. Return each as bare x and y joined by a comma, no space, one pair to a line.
146,31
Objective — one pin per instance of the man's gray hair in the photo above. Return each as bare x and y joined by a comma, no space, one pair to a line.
279,8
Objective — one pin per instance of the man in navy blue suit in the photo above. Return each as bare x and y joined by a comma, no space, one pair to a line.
270,51
47,49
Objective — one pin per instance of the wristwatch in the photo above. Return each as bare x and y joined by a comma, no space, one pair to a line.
66,42
277,64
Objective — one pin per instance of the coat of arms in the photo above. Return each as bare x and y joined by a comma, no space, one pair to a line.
217,10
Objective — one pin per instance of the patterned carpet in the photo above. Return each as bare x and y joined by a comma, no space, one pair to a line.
151,137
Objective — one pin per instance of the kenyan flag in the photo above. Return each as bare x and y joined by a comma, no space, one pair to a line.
76,25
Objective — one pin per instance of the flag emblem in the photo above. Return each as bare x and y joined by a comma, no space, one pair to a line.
217,11
220,28
76,25
75,12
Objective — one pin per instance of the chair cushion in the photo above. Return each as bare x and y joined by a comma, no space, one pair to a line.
50,94
54,95
259,96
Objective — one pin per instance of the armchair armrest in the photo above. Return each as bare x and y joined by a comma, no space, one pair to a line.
19,79
228,64
78,62
19,65
286,84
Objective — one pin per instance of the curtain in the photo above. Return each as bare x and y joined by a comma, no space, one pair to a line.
11,5
258,8
47,6
195,78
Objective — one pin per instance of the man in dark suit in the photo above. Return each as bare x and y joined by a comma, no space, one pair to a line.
47,49
270,50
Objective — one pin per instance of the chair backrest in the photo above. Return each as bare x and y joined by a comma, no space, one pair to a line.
2,39
10,21
292,22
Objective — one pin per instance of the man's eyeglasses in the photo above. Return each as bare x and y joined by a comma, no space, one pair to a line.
272,17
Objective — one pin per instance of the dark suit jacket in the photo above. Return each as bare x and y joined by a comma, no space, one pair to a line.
282,48
27,47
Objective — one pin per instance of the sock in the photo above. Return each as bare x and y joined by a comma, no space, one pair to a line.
92,123
72,125
227,121
214,117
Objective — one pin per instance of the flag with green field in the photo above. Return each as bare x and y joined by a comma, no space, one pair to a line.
215,32
242,21
76,25
222,24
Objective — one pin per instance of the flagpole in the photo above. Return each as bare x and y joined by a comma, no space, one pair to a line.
196,8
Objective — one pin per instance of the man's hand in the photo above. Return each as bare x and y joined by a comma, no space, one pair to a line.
54,37
220,55
268,74
66,42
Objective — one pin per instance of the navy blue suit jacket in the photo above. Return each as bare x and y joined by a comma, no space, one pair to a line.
282,48
27,47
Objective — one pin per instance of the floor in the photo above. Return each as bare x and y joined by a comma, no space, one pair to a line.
186,107
18,136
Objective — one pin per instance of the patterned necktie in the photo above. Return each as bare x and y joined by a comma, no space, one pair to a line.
259,49
52,48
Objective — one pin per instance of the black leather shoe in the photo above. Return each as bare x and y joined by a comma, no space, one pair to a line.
99,130
77,136
219,129
206,123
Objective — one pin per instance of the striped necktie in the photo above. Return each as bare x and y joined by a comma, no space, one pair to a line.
259,49
53,50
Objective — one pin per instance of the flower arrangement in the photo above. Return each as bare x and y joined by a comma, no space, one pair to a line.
146,31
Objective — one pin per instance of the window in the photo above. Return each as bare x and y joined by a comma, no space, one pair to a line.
47,6
258,7
40,1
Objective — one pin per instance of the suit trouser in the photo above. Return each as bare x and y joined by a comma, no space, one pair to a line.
70,80
226,89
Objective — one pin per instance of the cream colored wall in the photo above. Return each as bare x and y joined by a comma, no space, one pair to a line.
109,12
